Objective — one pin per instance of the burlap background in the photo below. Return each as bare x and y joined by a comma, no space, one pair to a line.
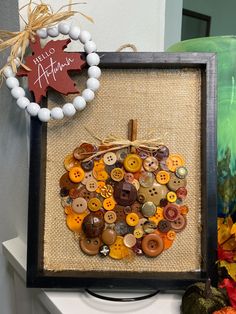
166,101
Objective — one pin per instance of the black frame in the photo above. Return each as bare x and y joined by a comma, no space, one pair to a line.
201,17
36,277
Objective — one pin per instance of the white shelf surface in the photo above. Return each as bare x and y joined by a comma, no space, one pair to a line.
67,302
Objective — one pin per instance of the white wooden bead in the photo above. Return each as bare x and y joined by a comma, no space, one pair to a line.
8,71
74,32
90,46
84,36
42,33
23,102
94,71
12,82
64,28
53,31
57,113
33,109
93,59
93,84
88,95
16,61
18,92
68,110
79,103
44,114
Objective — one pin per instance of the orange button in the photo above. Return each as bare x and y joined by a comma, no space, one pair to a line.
158,216
94,204
118,250
184,209
109,203
100,175
74,221
132,219
163,177
174,161
100,185
171,235
132,163
76,174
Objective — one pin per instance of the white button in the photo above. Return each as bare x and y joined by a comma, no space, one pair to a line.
79,205
110,158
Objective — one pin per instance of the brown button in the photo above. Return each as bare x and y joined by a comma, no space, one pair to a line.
110,217
125,193
127,210
175,183
90,246
74,193
179,224
79,205
120,215
164,225
181,193
109,236
154,193
83,151
84,193
93,225
163,202
87,165
64,192
171,212
65,182
152,245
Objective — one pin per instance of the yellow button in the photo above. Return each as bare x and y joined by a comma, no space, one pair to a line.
74,221
158,215
171,197
132,163
100,185
117,174
76,174
118,250
132,219
94,204
174,161
70,162
98,165
138,233
109,203
163,177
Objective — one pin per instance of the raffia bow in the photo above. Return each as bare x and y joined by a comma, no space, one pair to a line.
38,17
115,143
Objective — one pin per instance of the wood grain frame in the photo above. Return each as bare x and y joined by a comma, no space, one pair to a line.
37,277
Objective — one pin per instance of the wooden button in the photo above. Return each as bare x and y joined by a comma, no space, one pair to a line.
109,236
76,174
92,225
79,205
152,245
150,164
132,163
175,183
125,193
109,203
119,210
129,240
154,193
90,246
110,217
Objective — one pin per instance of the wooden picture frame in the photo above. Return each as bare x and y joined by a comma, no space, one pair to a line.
37,276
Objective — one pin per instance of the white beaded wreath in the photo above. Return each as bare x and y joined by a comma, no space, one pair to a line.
79,102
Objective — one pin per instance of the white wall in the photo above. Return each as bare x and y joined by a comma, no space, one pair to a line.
117,22
223,20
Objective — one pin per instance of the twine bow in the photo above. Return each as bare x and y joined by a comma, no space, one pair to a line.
39,17
115,143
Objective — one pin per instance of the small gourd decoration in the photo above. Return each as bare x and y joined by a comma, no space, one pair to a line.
202,298
226,310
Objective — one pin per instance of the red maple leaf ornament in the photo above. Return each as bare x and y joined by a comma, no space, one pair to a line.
49,68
